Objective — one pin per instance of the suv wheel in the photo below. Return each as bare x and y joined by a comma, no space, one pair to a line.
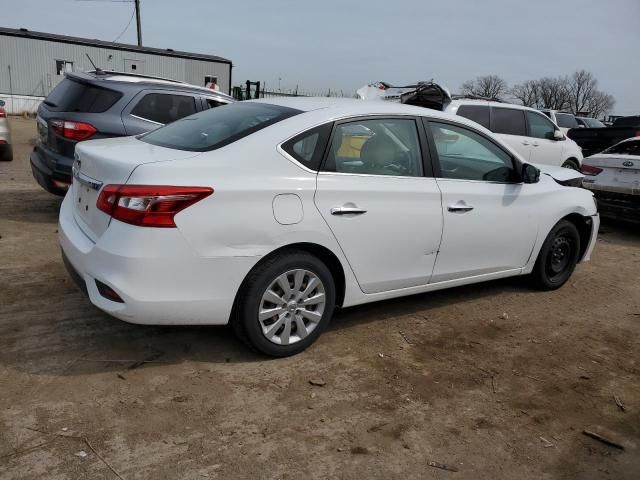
572,164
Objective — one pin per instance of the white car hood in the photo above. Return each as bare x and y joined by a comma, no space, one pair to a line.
560,174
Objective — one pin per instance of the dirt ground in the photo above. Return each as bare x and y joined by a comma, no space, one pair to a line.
495,380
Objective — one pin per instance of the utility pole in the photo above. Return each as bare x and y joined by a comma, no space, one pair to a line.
138,22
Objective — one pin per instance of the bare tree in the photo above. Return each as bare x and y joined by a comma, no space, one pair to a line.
526,93
585,96
489,86
553,93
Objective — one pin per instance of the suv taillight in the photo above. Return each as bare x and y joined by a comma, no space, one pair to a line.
148,205
72,130
589,170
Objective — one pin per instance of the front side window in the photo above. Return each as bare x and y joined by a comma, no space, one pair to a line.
631,147
476,113
540,126
164,108
466,155
388,146
566,120
508,121
308,147
217,127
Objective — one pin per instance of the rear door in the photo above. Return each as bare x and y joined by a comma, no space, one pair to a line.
489,224
510,126
151,109
376,193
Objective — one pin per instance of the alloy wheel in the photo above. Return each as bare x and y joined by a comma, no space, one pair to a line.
291,307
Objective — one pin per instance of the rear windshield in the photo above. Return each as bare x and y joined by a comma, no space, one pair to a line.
566,120
630,147
217,127
627,122
72,96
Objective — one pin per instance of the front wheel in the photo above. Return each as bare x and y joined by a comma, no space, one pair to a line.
572,164
558,256
285,304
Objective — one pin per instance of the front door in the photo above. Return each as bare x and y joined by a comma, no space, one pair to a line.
489,225
382,208
544,148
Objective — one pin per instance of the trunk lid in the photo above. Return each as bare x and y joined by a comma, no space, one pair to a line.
110,161
615,161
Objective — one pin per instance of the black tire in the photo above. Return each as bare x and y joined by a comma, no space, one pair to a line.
245,322
6,153
558,257
572,164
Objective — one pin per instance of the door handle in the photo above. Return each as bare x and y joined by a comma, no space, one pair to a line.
347,211
460,207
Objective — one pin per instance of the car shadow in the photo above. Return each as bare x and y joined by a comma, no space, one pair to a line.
31,206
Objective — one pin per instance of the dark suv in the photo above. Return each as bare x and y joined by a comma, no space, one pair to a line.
103,104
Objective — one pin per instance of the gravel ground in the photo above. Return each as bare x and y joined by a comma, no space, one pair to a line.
492,381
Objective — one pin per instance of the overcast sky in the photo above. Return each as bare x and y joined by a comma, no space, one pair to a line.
346,44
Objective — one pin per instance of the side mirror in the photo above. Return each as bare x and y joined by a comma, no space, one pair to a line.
558,135
530,174
2,104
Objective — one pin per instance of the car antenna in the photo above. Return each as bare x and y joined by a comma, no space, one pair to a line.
98,70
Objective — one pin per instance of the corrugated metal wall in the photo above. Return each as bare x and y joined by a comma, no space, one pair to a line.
32,65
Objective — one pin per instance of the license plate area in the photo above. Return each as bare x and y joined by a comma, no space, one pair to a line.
84,198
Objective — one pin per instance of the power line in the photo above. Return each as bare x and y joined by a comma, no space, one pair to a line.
128,23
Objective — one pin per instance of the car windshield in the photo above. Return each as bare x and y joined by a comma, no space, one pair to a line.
629,147
593,123
566,120
217,127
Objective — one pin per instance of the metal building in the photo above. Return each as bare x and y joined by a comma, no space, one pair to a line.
32,64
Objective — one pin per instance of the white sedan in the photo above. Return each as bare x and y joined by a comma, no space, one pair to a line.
614,177
269,214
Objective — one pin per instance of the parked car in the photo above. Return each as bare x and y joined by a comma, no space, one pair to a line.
103,104
595,140
588,122
6,150
614,178
249,214
564,120
535,137
531,134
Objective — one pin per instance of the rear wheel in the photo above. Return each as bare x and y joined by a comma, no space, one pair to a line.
558,256
572,164
285,304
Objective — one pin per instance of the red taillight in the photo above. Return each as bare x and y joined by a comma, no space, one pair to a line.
72,130
148,205
589,170
3,113
637,133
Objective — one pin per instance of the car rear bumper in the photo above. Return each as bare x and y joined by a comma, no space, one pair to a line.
154,271
616,205
50,170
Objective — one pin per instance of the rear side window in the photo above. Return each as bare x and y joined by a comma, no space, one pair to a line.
631,147
627,122
72,96
566,120
217,127
164,108
476,113
308,147
509,121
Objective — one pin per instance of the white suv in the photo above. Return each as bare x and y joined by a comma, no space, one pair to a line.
533,135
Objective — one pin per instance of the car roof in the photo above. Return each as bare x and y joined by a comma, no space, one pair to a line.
336,108
492,103
95,76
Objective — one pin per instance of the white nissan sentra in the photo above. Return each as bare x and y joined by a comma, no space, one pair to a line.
269,214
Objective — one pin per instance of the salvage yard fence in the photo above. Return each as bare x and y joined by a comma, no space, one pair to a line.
256,90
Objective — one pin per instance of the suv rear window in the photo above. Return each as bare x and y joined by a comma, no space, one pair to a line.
164,108
508,121
72,96
627,122
566,120
476,113
217,127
